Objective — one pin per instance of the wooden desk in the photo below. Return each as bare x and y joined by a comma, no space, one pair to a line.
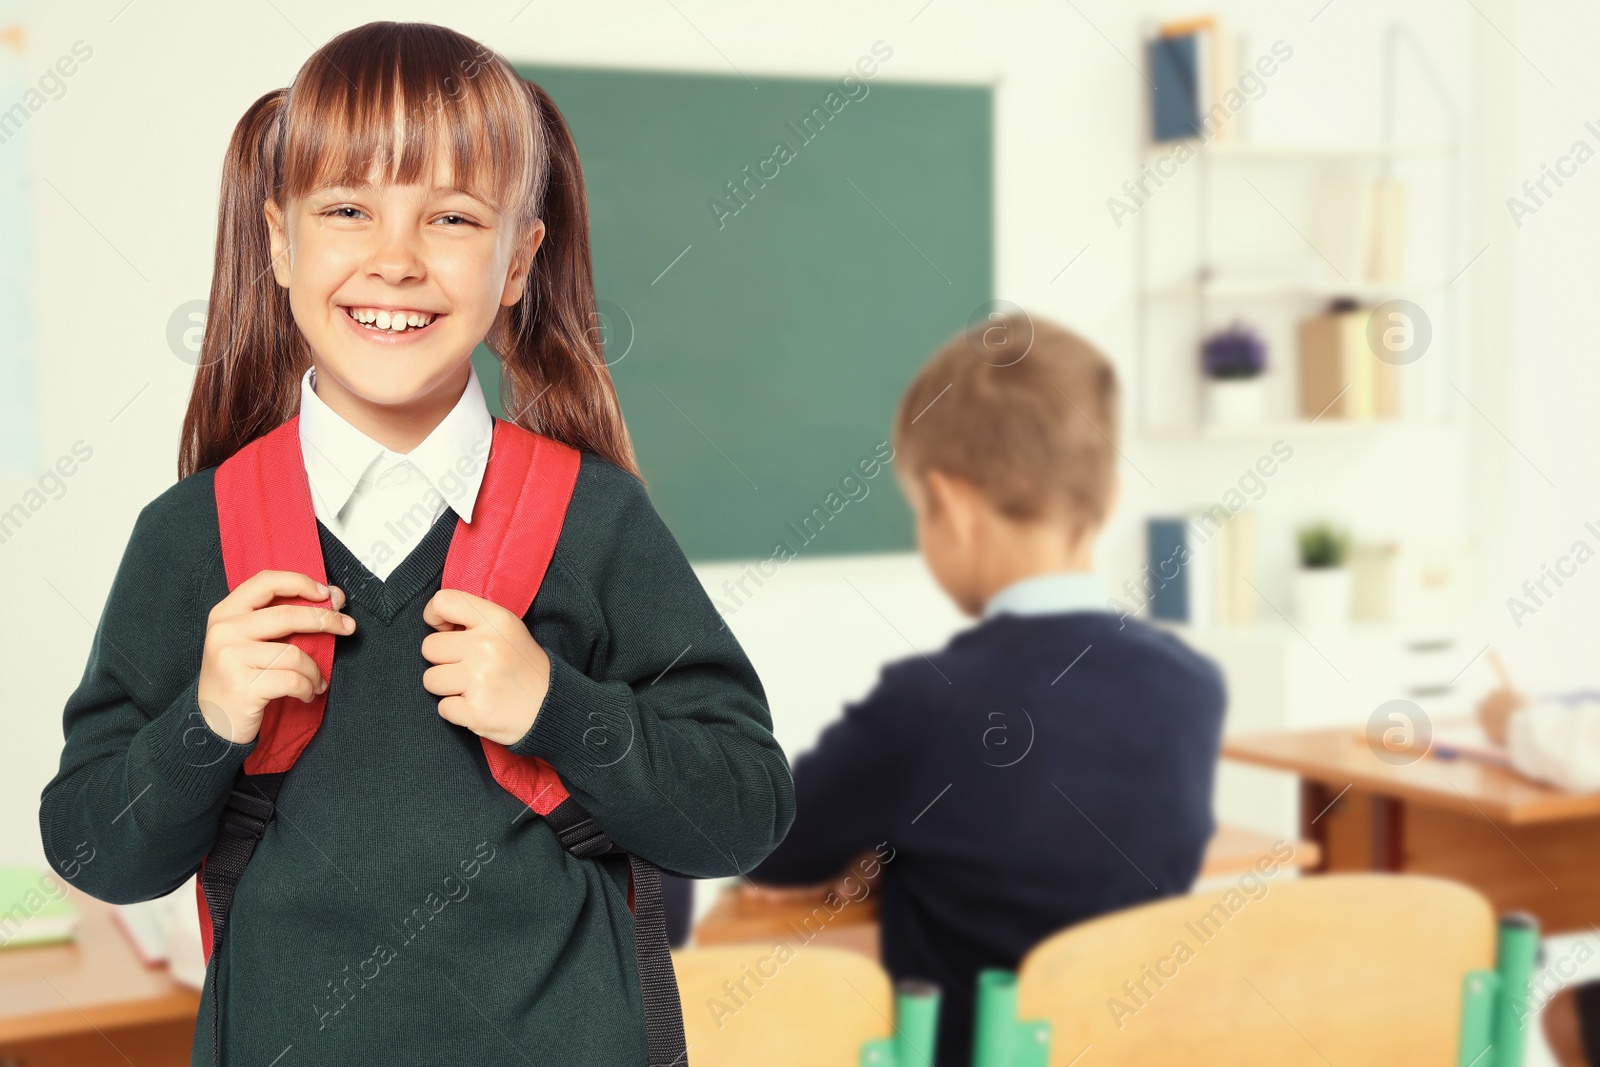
91,1002
1526,846
734,918
1234,850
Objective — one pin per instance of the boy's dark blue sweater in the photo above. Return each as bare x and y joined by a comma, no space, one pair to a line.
1038,771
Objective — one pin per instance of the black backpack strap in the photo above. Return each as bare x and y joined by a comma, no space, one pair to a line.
249,809
663,1010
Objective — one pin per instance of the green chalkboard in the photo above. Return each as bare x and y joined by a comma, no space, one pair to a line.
760,344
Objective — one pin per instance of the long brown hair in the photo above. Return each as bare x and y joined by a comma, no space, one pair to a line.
422,88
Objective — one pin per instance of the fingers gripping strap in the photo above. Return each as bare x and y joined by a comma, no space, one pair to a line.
266,520
502,555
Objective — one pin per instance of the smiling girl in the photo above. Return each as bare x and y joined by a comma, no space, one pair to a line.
406,198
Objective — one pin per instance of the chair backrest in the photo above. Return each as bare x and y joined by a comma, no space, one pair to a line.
1331,969
778,1006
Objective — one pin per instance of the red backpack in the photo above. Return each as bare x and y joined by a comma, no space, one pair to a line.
267,521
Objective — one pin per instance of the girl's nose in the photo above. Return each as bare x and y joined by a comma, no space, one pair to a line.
395,259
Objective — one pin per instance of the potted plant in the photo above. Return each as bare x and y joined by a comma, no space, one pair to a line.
1233,361
1322,584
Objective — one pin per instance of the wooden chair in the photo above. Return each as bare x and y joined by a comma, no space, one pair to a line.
811,1006
1357,969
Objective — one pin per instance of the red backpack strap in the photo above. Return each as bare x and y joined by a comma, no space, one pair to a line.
521,506
266,520
502,556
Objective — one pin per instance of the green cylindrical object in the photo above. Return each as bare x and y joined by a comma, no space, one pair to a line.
1516,953
916,1023
1479,1001
993,1044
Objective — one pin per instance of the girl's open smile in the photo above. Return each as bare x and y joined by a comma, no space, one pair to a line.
390,325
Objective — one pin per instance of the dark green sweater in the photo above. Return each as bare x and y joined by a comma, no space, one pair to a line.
402,906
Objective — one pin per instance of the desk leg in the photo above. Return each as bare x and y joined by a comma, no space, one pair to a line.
1356,831
1388,833
1315,799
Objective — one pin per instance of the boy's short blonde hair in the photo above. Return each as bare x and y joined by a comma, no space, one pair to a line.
1023,409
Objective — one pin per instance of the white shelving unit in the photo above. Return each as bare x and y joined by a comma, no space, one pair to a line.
1213,297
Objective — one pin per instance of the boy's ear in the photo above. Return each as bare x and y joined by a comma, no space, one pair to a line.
952,500
277,236
522,264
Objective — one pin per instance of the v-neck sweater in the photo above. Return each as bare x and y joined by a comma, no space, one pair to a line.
402,905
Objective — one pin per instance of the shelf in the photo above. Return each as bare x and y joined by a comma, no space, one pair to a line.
1270,290
1286,152
1198,282
1292,428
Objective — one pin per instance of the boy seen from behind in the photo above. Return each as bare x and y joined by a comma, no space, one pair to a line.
1050,764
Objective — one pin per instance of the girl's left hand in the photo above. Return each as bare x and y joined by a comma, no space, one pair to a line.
488,671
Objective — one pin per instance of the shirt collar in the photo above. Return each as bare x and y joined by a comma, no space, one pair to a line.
451,457
1049,594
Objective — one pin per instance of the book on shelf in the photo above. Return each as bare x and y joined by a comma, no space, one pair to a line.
1340,377
1359,227
1174,64
1191,64
1199,567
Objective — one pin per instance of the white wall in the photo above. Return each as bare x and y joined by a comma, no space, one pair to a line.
1551,437
127,165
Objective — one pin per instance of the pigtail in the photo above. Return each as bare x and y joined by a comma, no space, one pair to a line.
252,354
554,377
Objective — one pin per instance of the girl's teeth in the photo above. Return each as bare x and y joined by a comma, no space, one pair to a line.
392,321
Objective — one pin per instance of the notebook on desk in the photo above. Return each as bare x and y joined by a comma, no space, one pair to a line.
146,926
34,909
1468,740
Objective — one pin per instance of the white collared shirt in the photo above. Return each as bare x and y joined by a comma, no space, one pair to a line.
1050,594
1556,739
380,503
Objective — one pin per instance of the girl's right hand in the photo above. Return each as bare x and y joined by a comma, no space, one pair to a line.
245,667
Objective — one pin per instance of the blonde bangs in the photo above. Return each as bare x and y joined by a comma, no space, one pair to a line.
385,107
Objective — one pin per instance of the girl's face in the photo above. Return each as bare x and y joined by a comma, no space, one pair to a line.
393,286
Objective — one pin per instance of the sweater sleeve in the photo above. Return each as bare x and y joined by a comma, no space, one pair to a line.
664,734
142,781
1557,743
848,790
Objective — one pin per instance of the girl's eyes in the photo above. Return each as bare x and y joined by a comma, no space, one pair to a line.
346,211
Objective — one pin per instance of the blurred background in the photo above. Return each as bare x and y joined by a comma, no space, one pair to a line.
793,205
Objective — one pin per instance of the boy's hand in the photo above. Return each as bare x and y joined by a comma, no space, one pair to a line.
489,672
247,663
761,894
847,885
